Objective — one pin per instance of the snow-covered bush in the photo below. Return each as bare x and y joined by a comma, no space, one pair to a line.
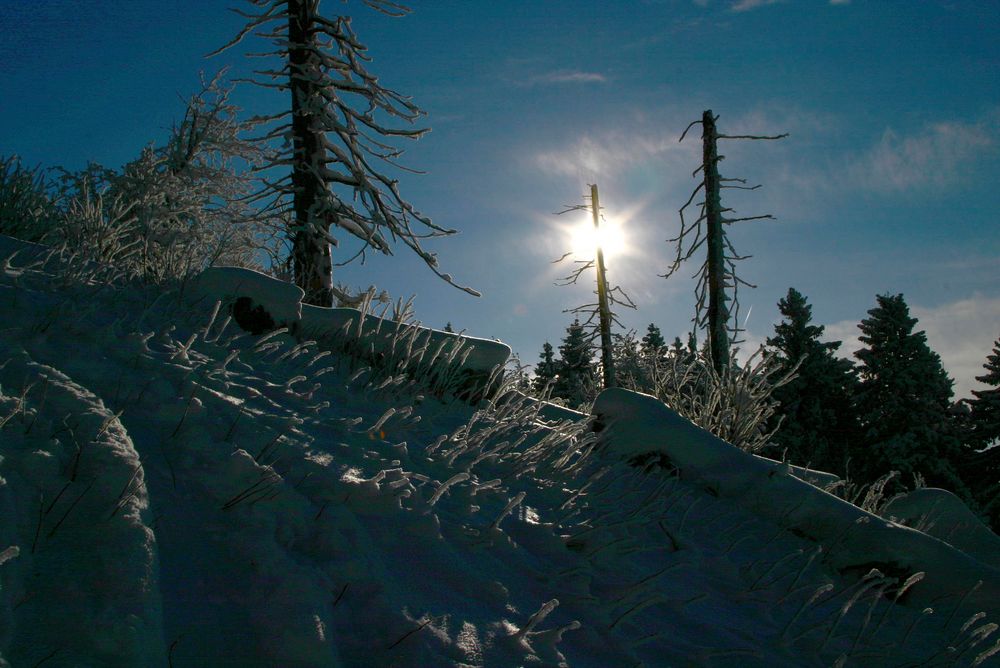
175,209
26,210
734,405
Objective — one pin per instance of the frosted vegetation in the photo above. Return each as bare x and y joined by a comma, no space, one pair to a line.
339,489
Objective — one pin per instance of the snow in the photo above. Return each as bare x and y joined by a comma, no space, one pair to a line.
939,513
638,424
175,491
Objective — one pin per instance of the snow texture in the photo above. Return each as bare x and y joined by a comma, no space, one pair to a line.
939,513
177,492
638,424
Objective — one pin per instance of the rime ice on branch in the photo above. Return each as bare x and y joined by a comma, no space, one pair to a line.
333,135
717,275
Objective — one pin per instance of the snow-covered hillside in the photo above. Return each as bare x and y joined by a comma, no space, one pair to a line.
175,491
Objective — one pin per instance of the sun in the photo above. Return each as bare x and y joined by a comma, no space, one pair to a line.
584,239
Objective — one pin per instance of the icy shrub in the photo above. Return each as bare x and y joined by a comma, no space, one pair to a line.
400,353
26,210
734,405
174,210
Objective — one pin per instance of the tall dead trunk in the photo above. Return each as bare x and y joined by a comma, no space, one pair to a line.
718,312
312,264
604,311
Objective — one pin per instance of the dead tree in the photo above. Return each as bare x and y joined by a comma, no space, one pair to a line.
716,293
607,296
333,138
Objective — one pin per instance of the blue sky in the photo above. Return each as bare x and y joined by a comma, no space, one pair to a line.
887,182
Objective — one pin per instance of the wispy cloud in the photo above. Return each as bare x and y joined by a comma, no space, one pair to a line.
564,77
840,2
932,158
609,153
937,156
961,332
747,5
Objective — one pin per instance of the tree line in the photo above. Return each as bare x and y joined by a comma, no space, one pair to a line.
891,408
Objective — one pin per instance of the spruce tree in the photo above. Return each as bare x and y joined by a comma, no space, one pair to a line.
653,355
677,348
815,407
576,381
904,401
980,464
985,406
652,342
545,370
633,367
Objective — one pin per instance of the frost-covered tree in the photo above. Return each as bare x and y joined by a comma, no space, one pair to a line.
816,412
576,382
186,196
335,165
904,401
545,370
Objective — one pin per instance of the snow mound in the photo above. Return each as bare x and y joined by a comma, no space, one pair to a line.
939,513
74,500
260,303
474,354
277,300
637,425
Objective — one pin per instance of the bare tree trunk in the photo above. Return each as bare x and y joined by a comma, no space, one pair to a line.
311,251
607,360
718,313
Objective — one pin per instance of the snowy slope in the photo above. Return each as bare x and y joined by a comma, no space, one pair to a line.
175,491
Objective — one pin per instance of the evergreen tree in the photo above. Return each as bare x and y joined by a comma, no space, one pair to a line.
677,348
818,420
985,416
545,370
653,356
980,464
904,401
652,342
633,367
576,381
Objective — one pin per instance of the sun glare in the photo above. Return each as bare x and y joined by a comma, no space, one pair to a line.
584,239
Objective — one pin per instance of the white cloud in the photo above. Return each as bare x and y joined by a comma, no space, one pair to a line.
937,156
961,332
840,2
747,5
565,77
